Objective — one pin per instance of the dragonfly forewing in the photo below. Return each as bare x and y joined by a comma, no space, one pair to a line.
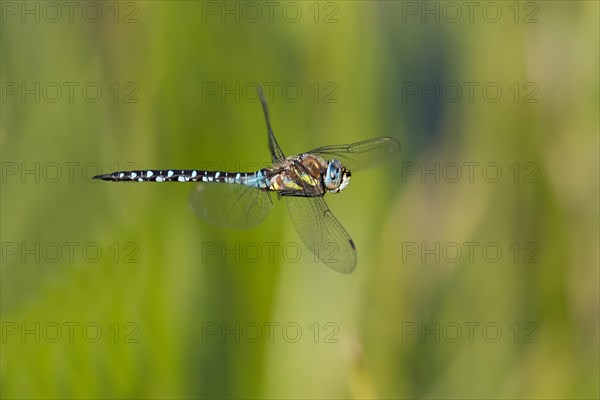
362,155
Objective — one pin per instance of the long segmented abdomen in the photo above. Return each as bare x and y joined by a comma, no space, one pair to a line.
255,179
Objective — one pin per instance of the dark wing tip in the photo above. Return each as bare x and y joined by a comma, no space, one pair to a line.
352,267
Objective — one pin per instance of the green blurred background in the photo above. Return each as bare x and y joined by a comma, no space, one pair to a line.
159,313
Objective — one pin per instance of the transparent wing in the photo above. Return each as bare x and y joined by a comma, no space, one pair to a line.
276,152
230,206
322,233
362,155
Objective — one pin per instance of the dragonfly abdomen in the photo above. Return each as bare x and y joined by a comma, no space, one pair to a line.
255,179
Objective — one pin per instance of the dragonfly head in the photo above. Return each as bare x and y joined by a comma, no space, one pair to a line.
337,177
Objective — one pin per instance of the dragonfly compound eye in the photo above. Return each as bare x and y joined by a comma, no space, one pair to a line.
336,177
333,176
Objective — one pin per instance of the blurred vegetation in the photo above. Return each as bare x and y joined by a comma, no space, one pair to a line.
154,316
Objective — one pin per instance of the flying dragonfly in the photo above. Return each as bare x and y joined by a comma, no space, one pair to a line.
241,200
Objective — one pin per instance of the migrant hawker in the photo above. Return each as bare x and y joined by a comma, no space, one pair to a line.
242,199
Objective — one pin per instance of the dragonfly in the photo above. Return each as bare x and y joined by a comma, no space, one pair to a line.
242,200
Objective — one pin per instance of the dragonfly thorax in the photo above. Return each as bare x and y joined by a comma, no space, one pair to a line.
306,175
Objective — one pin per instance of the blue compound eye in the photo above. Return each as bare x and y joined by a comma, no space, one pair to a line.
333,176
336,177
